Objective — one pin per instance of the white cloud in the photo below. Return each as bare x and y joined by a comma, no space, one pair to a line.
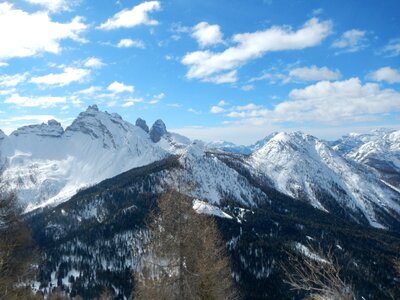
207,35
128,43
118,87
314,73
30,34
175,105
43,102
229,77
132,101
94,62
216,109
392,48
347,101
193,111
385,74
12,80
54,5
351,41
203,64
138,15
247,87
311,73
68,76
157,98
222,103
3,64
90,90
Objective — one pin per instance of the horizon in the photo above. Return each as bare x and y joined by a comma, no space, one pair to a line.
277,66
65,126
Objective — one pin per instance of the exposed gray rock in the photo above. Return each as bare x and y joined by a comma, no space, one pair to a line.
142,124
157,130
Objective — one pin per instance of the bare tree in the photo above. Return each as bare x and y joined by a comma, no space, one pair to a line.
16,251
184,257
318,274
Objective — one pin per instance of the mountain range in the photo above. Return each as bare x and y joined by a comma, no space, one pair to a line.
89,186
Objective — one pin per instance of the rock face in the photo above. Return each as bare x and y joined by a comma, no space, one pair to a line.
157,131
142,124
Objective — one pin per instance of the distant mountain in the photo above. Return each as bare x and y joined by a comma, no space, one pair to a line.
306,168
240,149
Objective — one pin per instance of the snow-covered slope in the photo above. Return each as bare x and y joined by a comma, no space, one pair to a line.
202,175
383,154
306,168
46,165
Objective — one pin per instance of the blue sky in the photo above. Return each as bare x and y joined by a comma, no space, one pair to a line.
232,70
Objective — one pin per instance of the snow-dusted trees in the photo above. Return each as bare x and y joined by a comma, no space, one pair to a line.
318,274
184,257
16,253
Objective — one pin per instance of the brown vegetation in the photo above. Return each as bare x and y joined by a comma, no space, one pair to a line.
184,257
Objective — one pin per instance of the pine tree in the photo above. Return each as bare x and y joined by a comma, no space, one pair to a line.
184,257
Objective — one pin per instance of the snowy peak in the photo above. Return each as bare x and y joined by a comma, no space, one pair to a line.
97,145
306,168
142,124
50,129
157,130
109,128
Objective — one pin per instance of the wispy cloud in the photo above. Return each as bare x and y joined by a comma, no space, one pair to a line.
94,62
351,41
298,74
42,101
129,43
157,98
128,18
55,5
392,48
12,80
68,76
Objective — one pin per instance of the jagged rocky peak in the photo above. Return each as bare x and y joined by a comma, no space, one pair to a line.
157,130
93,107
142,124
51,129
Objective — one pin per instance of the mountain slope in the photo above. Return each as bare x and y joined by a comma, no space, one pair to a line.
306,168
96,238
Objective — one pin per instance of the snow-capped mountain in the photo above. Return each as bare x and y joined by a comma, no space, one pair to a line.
306,168
46,165
240,149
382,152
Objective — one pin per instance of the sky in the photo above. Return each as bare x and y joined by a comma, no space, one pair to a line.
232,70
